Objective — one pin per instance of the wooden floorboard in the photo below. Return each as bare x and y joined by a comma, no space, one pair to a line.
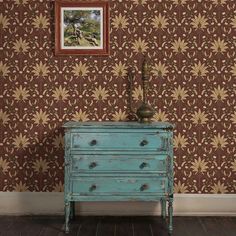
5,224
18,227
229,225
31,227
117,226
192,226
123,226
51,227
89,226
217,226
179,227
141,226
106,226
157,226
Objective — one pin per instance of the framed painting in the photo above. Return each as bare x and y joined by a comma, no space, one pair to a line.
81,28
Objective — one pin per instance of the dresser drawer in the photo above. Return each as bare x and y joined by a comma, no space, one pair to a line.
120,141
119,163
118,185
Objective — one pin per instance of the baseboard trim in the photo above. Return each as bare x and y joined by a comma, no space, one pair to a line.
44,203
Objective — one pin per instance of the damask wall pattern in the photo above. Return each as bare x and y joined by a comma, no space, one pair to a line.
190,46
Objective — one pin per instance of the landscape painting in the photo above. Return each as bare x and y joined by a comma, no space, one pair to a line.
81,28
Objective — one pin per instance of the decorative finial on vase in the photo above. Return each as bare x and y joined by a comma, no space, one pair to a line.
145,69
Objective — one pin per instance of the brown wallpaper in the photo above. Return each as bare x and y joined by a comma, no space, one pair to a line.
191,48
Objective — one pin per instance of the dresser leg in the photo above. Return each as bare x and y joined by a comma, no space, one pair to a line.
163,208
67,216
170,215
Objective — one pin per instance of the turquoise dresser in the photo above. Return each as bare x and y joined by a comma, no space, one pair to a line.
118,161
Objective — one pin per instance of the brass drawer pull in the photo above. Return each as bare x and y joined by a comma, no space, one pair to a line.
143,165
144,187
93,142
143,143
92,165
92,188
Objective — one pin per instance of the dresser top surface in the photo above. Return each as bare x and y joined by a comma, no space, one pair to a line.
110,124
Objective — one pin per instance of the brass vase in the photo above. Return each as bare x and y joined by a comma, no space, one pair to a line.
145,112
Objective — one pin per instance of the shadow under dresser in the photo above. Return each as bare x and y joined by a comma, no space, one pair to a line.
118,161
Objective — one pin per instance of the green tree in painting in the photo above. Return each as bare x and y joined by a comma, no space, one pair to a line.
82,28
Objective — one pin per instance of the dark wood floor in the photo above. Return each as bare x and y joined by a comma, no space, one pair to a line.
117,226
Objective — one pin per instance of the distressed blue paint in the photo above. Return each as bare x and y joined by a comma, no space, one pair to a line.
118,185
118,161
131,141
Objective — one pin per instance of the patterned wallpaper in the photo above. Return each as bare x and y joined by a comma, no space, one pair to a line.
191,48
